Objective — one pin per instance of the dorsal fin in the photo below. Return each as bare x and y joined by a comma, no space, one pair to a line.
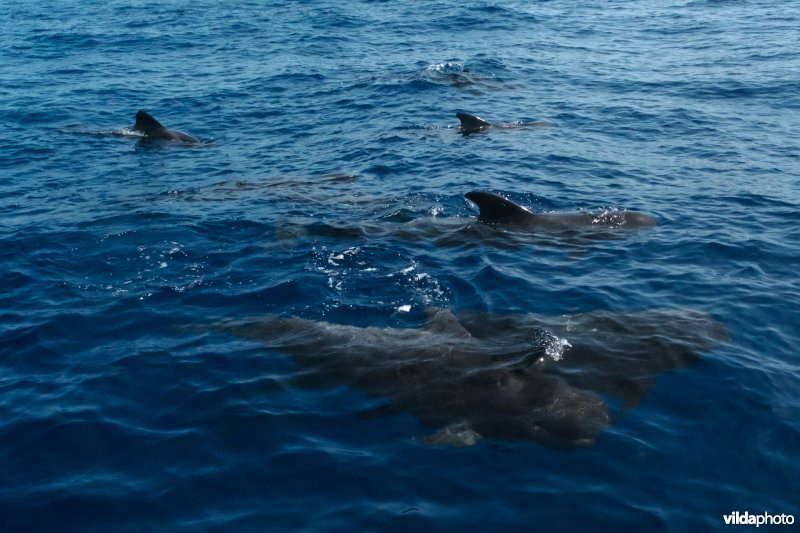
498,210
443,321
471,122
146,123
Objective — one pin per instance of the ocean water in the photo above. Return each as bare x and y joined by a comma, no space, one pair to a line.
330,186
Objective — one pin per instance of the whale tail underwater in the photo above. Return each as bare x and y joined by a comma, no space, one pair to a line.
495,209
151,128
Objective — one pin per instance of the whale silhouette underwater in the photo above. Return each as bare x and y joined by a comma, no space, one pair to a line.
508,377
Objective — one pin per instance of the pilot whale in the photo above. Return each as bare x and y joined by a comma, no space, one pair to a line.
495,209
500,223
464,387
491,376
616,354
474,124
150,128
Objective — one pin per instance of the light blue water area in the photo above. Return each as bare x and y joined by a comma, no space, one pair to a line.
330,186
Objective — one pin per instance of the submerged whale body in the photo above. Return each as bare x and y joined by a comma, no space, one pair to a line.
474,124
465,387
495,209
150,128
611,353
488,376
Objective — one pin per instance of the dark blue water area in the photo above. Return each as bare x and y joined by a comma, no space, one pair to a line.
330,186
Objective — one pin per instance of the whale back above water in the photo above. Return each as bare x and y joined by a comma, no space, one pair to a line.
146,123
471,123
153,129
495,209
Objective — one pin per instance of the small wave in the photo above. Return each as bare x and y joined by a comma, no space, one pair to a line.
448,67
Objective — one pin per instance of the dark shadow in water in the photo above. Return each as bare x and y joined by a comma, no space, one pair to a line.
510,377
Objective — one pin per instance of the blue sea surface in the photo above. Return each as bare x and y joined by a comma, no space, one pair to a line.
330,185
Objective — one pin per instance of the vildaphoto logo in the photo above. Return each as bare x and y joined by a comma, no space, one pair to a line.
765,519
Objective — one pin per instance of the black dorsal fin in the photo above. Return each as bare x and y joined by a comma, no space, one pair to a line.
146,123
498,210
471,122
